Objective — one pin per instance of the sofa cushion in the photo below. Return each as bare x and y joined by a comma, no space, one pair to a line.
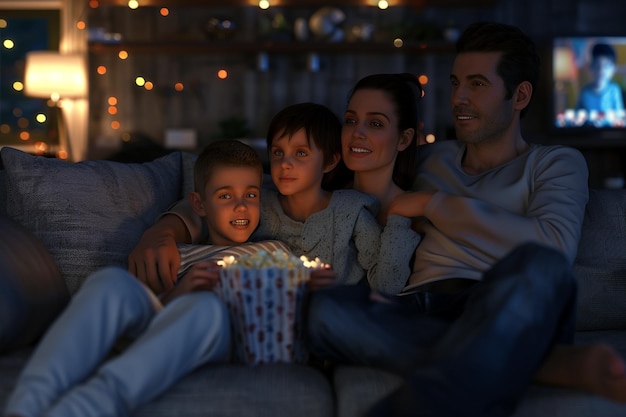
358,388
600,265
88,214
235,390
3,193
32,291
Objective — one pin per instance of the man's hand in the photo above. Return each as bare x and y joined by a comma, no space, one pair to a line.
155,259
202,276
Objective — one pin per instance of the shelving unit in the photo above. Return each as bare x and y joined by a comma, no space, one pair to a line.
177,50
302,3
240,47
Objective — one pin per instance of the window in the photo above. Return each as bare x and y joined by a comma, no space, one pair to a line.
26,123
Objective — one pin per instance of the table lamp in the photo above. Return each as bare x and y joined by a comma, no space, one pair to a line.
56,76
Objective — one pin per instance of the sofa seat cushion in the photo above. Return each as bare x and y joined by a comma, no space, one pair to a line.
269,390
358,388
88,214
225,390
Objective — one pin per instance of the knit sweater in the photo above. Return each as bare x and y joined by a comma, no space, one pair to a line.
346,235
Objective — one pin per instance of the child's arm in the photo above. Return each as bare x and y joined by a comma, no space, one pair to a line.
202,276
322,277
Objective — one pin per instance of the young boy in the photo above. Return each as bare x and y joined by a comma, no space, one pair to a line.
601,97
339,227
71,373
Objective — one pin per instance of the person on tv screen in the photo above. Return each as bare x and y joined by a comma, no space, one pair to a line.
602,97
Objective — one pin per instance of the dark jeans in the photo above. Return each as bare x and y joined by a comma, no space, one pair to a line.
469,353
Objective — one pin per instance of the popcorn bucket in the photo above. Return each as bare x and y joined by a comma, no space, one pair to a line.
265,305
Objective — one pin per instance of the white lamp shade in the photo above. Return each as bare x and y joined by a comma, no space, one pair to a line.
54,75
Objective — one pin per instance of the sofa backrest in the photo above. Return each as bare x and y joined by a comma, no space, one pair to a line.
89,214
600,266
3,193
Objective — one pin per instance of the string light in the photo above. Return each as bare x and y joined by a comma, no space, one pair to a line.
383,4
264,4
133,4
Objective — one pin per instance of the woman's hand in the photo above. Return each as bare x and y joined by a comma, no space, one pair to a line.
321,277
202,276
410,204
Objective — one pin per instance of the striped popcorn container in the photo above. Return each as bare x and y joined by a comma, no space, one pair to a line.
264,295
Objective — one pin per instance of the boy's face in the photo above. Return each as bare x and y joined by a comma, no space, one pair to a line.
603,69
231,204
296,166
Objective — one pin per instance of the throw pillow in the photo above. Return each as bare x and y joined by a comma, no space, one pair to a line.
88,214
32,291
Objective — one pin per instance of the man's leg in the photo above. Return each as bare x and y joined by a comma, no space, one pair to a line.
345,324
483,364
110,303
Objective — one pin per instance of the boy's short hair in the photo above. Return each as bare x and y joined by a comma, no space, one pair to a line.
227,152
603,49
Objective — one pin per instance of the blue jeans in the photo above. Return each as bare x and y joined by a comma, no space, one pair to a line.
71,373
469,353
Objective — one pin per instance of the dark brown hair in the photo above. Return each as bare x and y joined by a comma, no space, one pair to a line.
227,152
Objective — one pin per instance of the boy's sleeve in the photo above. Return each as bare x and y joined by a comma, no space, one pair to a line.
194,223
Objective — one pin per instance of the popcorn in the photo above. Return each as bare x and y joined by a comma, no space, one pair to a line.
264,293
276,259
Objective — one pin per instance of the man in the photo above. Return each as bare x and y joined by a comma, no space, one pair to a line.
492,292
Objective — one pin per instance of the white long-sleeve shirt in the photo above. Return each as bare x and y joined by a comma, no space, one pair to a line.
474,220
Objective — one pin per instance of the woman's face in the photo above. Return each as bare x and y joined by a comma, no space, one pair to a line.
370,137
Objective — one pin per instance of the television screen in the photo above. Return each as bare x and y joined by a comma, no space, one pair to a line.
589,83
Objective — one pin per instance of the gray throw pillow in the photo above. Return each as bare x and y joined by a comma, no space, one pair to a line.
32,291
88,214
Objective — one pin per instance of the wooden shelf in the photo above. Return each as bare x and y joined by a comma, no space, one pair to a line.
302,3
236,47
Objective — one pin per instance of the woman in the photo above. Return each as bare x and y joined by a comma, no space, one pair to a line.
379,136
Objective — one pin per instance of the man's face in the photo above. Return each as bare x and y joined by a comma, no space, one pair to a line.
479,108
231,204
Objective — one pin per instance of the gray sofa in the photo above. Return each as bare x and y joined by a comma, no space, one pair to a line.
62,220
